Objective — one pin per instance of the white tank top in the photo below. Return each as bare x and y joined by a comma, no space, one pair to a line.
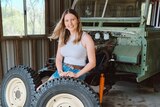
74,54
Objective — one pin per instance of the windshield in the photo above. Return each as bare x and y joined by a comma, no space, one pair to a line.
109,8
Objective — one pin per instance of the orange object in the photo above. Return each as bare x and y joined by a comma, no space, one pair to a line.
101,87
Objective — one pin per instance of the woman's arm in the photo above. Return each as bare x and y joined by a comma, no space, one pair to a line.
88,43
59,59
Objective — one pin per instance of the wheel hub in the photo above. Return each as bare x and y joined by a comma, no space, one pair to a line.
16,93
64,100
64,105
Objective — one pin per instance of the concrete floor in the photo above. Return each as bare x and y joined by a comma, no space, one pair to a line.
125,94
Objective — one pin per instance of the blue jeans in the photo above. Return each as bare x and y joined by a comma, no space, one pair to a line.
66,69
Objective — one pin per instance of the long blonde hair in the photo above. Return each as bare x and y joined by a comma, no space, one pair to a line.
64,34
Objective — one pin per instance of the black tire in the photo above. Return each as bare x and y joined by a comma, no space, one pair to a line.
18,87
66,92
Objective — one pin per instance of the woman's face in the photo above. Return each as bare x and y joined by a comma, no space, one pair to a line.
71,22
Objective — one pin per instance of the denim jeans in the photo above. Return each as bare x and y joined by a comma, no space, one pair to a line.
66,69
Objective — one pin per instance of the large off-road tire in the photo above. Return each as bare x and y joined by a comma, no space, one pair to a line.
66,92
18,87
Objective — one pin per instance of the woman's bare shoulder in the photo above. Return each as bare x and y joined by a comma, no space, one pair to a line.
86,36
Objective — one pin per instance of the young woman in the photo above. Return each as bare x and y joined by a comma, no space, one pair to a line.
74,47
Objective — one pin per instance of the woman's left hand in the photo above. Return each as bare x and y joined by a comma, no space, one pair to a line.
71,74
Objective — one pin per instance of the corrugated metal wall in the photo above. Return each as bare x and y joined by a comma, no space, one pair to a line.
32,53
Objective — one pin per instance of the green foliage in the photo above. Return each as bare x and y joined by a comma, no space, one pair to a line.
13,21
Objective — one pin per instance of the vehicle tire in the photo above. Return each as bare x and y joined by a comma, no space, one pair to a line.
18,87
66,92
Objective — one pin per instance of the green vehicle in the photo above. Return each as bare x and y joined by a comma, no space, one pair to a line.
130,27
127,39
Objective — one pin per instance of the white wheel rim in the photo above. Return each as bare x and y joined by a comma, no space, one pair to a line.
64,100
16,93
